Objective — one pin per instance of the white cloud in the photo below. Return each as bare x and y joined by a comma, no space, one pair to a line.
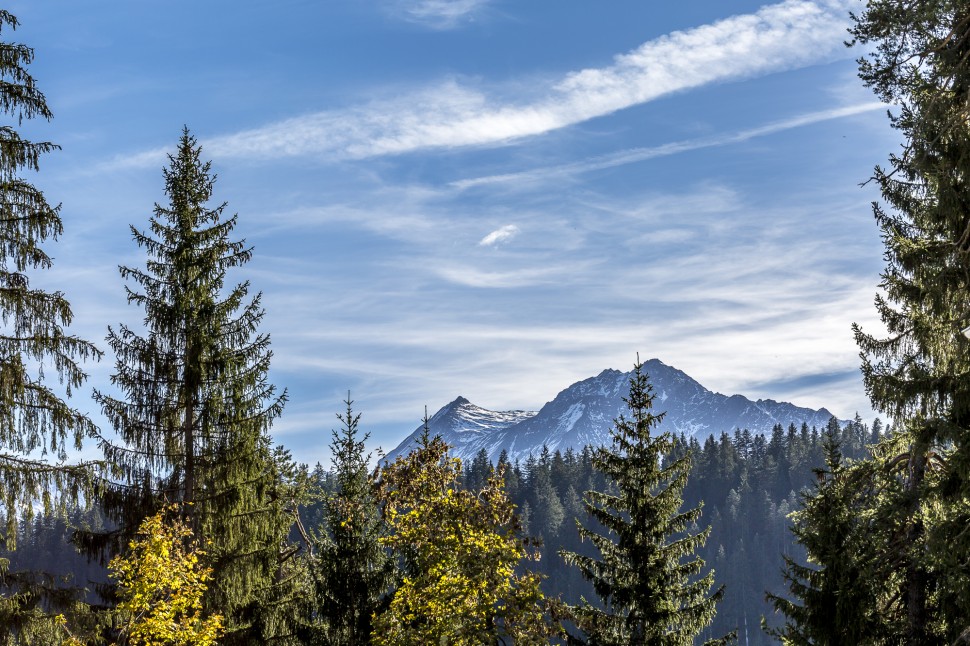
144,159
466,276
747,297
778,37
782,36
524,365
634,155
502,234
439,14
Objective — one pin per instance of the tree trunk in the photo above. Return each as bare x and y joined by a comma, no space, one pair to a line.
916,577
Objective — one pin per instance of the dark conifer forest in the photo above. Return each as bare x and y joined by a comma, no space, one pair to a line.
748,486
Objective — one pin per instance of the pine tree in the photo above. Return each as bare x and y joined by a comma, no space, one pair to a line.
460,551
647,573
352,573
547,511
867,580
196,406
36,423
34,419
833,599
920,373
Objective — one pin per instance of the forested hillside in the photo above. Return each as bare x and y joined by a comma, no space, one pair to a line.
748,485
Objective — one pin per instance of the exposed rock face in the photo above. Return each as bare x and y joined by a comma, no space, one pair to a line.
583,414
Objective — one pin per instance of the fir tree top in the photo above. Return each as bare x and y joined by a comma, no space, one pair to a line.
647,573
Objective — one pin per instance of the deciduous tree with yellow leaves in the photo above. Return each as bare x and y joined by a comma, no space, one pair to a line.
460,549
161,581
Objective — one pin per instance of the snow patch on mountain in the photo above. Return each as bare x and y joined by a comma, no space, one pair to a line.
466,427
583,414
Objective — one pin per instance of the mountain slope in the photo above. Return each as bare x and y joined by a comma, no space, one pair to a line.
466,427
583,414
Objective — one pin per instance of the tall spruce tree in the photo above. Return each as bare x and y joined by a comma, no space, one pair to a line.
352,572
647,573
835,599
196,407
36,423
860,530
920,372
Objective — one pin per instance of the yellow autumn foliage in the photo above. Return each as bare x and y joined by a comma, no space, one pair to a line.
462,548
161,582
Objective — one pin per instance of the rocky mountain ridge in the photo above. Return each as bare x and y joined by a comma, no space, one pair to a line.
583,413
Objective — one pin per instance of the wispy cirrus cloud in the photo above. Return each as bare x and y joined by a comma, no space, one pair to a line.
778,37
468,276
439,14
440,315
634,155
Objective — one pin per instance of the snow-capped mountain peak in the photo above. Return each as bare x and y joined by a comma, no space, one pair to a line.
583,414
466,427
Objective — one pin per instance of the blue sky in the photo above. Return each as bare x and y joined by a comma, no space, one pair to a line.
482,197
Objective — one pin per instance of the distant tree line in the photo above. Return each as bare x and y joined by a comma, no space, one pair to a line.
747,485
751,484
